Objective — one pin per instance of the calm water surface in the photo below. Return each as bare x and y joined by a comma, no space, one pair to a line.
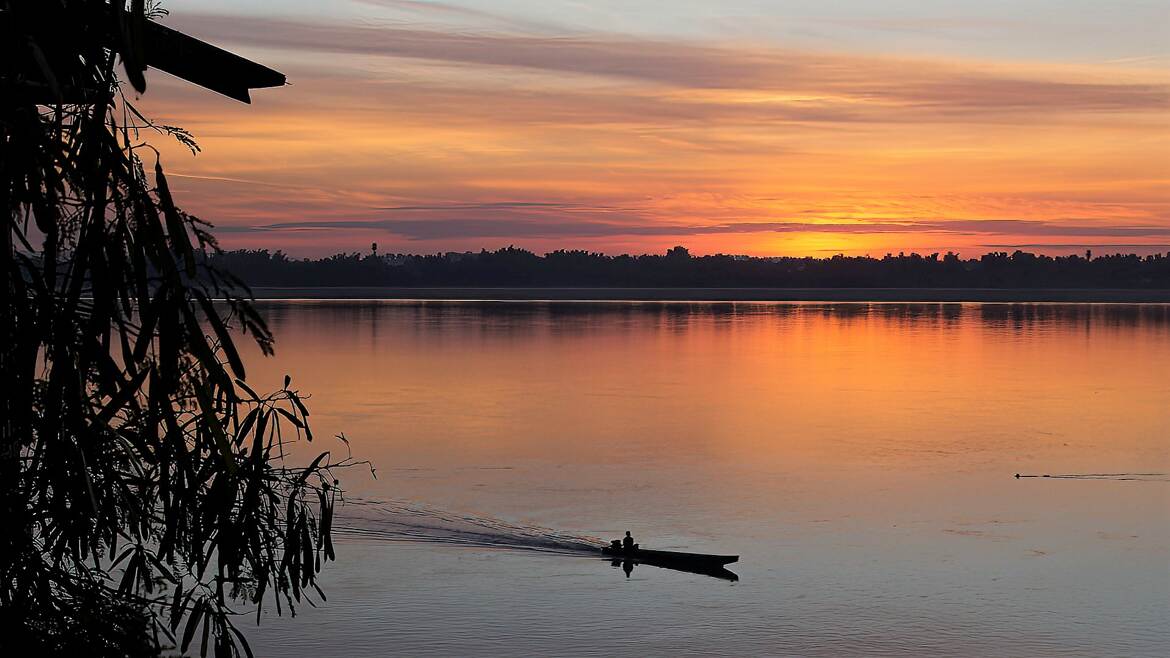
858,457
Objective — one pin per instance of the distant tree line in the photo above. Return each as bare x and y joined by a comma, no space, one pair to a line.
514,267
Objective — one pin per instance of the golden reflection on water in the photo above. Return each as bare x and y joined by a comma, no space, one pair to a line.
1062,387
859,457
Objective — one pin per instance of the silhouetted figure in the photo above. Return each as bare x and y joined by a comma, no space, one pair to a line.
628,544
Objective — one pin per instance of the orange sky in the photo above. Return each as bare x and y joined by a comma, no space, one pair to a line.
426,136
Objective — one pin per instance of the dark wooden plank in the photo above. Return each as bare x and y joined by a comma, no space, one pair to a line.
206,65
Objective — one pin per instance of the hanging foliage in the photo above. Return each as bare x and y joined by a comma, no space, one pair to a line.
145,496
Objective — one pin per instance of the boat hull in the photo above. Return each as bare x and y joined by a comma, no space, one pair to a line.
672,558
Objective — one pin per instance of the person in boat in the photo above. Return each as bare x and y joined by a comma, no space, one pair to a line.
628,544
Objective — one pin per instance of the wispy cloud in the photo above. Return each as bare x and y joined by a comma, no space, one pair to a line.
953,87
497,205
446,10
553,226
228,179
1079,245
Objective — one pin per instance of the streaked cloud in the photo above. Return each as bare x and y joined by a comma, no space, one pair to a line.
954,87
548,223
1137,246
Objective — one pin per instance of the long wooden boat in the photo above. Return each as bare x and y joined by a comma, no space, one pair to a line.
671,558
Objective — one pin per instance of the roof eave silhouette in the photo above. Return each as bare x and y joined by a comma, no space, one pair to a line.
44,68
208,66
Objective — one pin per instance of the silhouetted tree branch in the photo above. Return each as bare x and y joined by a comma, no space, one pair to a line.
144,490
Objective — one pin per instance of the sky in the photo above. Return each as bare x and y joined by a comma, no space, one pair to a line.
761,127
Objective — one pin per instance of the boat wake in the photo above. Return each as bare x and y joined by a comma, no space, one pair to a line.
404,522
1145,477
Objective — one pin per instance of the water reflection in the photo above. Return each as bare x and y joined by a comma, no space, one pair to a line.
570,318
626,565
859,457
776,383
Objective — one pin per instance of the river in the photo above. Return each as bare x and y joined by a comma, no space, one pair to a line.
858,457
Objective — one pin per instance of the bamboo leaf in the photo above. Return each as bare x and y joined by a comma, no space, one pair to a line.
291,418
246,426
126,392
176,229
206,631
300,405
243,642
129,577
311,469
210,417
192,625
176,608
202,351
248,390
225,340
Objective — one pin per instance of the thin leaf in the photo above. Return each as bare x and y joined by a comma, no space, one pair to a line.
225,340
213,425
192,625
291,418
176,229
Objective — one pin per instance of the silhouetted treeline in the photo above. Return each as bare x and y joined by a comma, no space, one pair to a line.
513,267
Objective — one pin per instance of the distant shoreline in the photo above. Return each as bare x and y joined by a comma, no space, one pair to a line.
939,295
